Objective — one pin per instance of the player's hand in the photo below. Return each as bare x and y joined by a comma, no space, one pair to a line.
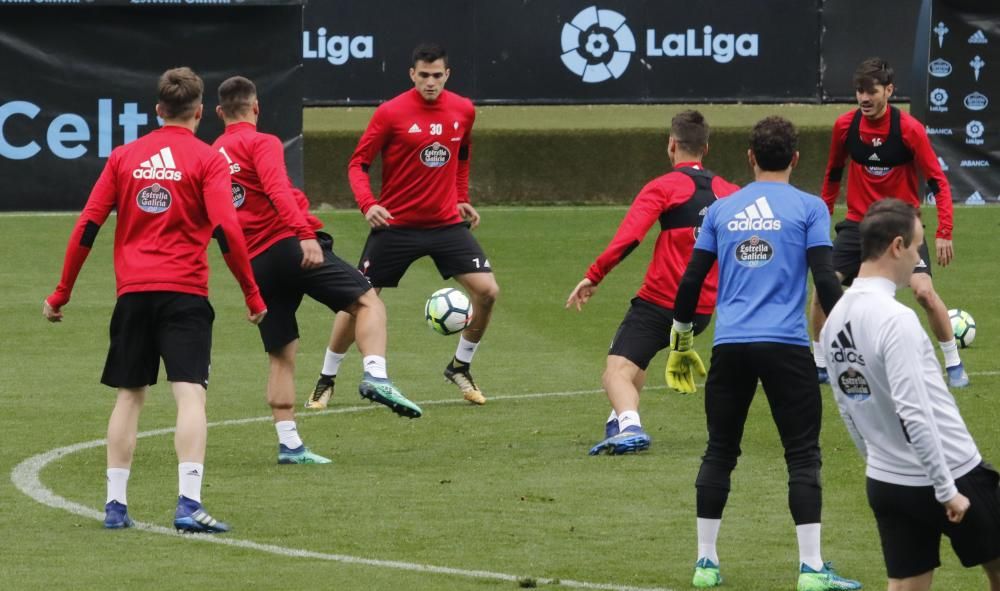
945,251
469,214
51,314
256,318
378,216
312,254
956,507
581,294
681,367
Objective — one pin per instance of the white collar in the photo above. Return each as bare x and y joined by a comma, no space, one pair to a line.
877,284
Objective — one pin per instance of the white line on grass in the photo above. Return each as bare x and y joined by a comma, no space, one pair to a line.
26,477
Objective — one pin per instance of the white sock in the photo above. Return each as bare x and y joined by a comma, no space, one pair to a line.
466,350
819,354
612,417
189,479
331,363
950,350
117,483
708,534
809,553
629,418
288,434
375,365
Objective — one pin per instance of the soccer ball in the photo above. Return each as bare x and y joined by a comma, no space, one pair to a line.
964,327
448,311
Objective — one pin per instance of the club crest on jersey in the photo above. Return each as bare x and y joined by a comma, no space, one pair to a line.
854,385
435,155
754,252
239,195
153,199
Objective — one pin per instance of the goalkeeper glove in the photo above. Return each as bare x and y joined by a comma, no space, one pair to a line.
683,361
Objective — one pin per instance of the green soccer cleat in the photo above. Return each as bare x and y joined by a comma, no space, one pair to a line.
823,580
383,391
299,455
706,574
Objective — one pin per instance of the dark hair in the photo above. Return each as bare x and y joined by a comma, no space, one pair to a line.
872,71
690,130
236,96
886,219
773,142
179,93
429,52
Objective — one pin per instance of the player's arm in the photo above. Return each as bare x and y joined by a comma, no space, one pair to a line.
683,361
221,214
926,161
95,213
852,430
369,146
819,256
465,208
835,164
268,157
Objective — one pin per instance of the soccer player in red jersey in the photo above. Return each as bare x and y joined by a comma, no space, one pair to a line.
424,136
171,191
887,148
290,259
678,201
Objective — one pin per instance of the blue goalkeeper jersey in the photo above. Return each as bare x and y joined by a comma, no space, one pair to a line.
760,235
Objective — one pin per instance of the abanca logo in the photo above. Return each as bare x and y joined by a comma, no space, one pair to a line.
597,44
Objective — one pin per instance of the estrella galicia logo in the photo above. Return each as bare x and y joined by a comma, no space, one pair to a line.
854,385
239,195
976,101
435,155
843,350
939,68
754,252
597,44
153,199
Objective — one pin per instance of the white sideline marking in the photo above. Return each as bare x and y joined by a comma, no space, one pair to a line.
25,477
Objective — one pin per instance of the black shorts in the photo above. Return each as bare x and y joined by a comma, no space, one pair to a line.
282,280
146,326
645,331
389,253
911,521
847,252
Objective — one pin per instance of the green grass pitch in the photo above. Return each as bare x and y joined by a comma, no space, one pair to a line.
505,489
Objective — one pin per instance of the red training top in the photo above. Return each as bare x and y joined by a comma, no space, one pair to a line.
661,200
425,159
171,191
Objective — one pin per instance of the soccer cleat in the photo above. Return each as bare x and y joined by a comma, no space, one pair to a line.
299,455
383,391
322,393
706,574
116,516
823,580
611,428
458,373
957,377
192,518
822,375
632,439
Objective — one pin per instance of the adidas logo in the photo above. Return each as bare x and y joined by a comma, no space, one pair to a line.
193,473
160,167
978,38
975,199
874,158
756,216
415,129
844,349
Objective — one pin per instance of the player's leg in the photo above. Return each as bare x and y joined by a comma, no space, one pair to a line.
992,569
123,427
918,583
281,399
937,318
976,539
910,522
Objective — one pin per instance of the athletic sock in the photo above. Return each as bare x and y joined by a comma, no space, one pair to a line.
809,545
613,416
628,419
466,350
818,354
374,366
288,434
950,350
117,483
189,480
708,534
331,363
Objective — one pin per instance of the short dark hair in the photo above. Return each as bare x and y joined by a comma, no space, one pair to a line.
179,93
773,142
886,219
690,130
872,71
236,96
430,53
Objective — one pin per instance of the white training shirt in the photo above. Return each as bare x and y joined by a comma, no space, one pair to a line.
888,385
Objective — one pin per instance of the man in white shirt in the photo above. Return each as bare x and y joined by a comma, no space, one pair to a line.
893,399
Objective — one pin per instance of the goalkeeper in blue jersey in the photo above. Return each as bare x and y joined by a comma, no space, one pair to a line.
766,238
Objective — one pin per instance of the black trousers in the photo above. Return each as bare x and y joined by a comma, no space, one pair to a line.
788,374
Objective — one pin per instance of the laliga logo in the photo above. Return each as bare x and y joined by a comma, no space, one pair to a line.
597,44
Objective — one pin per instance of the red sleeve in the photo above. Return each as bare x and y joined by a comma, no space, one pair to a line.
95,213
269,161
915,137
640,217
464,160
835,164
374,138
303,204
217,191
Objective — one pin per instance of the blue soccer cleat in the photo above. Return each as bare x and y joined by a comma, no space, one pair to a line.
611,428
192,518
632,439
299,455
957,377
116,516
823,579
822,375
